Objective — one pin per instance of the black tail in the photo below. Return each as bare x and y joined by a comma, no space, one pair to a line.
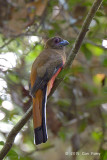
41,132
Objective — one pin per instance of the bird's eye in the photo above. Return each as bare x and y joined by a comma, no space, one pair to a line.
56,40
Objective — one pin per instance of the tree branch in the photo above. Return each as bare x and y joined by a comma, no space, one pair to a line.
78,42
6,43
72,55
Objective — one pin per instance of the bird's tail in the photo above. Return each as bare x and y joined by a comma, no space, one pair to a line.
39,116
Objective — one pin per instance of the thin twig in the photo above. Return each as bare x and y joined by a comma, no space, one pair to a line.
8,42
72,55
94,44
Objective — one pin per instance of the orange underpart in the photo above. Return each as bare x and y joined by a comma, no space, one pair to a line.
50,83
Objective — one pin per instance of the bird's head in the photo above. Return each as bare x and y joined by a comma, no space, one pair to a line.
56,43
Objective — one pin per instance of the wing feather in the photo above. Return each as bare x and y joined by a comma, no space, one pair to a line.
41,82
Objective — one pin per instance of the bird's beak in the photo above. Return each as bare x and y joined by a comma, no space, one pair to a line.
63,43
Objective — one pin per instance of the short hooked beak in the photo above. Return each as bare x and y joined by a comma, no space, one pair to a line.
63,43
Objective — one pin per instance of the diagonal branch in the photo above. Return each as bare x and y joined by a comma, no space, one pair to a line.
10,139
78,42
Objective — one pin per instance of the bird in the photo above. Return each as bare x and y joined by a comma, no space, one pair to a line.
44,71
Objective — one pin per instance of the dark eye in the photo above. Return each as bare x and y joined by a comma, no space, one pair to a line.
56,40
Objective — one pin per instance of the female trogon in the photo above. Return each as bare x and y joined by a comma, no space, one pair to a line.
44,70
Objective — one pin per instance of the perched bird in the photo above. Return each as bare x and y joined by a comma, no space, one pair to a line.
44,70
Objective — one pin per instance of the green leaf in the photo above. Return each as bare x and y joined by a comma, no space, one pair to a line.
90,88
14,78
64,102
34,53
86,51
1,143
12,155
25,158
86,3
62,133
96,135
105,2
51,32
1,101
95,50
104,90
97,102
82,126
99,13
105,62
103,154
73,2
77,69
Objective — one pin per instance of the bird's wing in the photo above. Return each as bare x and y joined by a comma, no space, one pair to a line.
50,69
